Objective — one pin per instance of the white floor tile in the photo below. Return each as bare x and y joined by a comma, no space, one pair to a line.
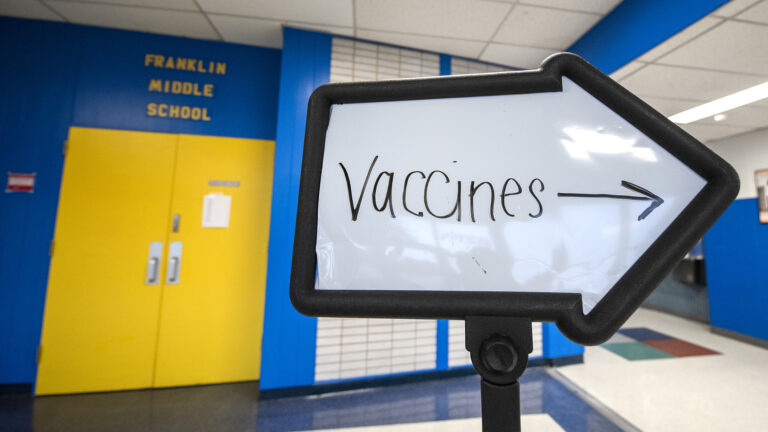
727,392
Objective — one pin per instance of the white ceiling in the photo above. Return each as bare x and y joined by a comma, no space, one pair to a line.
516,33
722,53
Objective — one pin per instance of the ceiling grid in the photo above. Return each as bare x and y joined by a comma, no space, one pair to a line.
722,53
516,33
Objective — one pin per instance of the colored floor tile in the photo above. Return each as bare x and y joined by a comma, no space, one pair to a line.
636,351
680,348
643,334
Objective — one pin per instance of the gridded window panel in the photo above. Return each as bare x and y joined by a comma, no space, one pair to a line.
349,348
462,67
458,354
363,61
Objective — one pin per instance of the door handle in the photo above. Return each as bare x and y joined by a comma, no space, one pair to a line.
153,263
173,270
174,263
152,270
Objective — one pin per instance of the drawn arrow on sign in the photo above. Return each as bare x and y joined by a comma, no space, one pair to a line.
437,198
649,196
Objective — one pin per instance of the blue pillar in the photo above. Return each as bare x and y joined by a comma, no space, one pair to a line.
557,345
441,362
288,353
445,64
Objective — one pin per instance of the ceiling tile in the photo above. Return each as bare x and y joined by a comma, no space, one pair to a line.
670,107
516,56
731,46
762,103
344,31
158,4
459,47
758,12
751,116
596,6
461,19
27,9
706,132
682,83
330,12
627,70
177,23
544,27
733,7
250,31
681,38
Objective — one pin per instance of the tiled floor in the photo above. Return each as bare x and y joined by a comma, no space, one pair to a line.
670,374
529,422
726,392
641,343
449,399
546,404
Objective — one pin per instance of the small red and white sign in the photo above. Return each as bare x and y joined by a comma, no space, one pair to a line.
20,182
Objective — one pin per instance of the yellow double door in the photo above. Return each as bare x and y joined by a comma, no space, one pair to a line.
158,263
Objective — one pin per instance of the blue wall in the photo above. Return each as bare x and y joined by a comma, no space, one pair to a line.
112,85
38,81
60,75
737,270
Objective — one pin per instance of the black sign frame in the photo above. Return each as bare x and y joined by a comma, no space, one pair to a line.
563,309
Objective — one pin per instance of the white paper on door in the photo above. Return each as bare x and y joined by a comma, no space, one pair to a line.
216,210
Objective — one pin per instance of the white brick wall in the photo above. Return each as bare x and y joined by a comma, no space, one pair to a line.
461,67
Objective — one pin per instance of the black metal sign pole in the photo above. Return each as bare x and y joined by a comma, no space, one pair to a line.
499,347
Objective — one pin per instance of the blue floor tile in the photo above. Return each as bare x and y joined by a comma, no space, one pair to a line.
641,334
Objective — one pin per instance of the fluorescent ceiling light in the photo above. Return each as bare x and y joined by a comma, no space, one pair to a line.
723,104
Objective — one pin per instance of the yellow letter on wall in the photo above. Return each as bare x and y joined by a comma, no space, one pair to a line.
156,85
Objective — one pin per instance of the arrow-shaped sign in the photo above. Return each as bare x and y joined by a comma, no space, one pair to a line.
486,195
648,196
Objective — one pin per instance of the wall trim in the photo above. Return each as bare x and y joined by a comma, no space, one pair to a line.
741,337
16,389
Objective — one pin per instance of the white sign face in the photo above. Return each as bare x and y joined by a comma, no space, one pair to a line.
543,192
